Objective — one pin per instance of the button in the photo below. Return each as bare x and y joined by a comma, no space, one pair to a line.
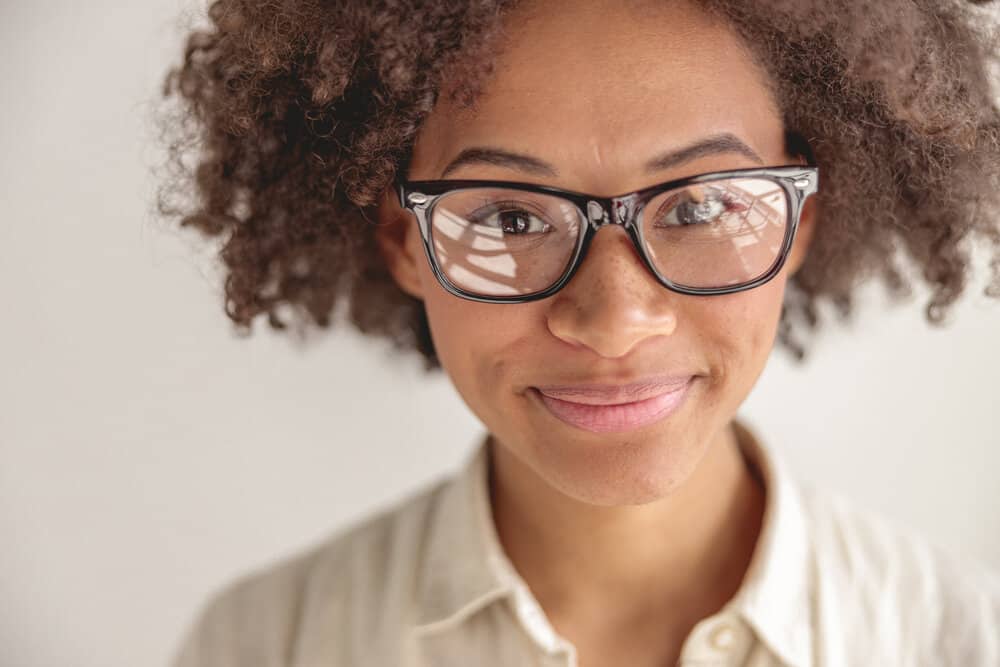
722,637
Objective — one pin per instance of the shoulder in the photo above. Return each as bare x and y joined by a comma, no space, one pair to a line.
280,614
889,592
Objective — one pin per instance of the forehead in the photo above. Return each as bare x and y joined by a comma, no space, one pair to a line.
596,85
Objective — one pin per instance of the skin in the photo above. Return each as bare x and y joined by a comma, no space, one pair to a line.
627,539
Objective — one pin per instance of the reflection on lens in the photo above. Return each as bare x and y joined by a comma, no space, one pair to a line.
503,242
716,234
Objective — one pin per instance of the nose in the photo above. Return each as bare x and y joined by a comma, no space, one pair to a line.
613,303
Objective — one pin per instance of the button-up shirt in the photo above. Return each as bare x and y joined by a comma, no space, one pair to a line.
427,583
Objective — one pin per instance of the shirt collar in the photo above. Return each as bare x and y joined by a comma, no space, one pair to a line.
465,567
774,597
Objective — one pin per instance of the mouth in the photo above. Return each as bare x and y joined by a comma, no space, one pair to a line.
615,409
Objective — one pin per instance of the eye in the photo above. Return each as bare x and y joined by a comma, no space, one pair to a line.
509,217
694,207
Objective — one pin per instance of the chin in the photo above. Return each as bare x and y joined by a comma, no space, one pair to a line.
617,469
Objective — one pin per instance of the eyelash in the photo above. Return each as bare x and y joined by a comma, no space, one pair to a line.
479,215
729,203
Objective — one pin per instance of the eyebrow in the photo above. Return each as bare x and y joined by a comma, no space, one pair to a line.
715,145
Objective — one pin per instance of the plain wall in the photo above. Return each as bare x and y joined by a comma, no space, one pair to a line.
147,455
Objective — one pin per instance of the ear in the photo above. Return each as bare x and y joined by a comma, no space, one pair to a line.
399,243
803,236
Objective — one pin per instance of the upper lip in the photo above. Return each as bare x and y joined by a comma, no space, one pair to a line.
615,394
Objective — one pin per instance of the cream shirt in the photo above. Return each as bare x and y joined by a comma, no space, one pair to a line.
427,583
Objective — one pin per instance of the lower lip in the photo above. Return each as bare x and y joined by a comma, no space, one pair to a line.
616,418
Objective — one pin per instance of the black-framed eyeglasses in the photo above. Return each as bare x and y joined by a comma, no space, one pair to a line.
512,242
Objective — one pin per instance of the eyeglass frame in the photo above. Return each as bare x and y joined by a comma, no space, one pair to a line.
799,182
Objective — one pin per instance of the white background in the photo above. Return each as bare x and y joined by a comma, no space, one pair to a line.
147,455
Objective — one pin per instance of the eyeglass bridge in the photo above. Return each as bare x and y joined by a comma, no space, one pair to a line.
622,210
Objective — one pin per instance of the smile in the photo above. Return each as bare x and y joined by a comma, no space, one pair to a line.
604,409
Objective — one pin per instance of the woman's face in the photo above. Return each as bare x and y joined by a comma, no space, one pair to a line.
597,90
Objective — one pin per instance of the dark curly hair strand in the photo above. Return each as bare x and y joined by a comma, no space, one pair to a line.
298,113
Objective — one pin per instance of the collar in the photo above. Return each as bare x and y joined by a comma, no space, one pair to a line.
774,597
466,569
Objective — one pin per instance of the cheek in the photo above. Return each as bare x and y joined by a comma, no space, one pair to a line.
462,330
475,340
744,326
481,347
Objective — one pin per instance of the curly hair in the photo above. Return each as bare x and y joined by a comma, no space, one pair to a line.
295,115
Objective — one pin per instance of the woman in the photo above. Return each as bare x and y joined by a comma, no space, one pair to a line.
596,217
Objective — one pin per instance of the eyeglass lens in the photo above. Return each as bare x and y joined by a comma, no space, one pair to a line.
499,242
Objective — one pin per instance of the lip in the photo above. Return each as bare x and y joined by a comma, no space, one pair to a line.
615,408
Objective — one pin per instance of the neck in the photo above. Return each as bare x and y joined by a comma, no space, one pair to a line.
684,554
